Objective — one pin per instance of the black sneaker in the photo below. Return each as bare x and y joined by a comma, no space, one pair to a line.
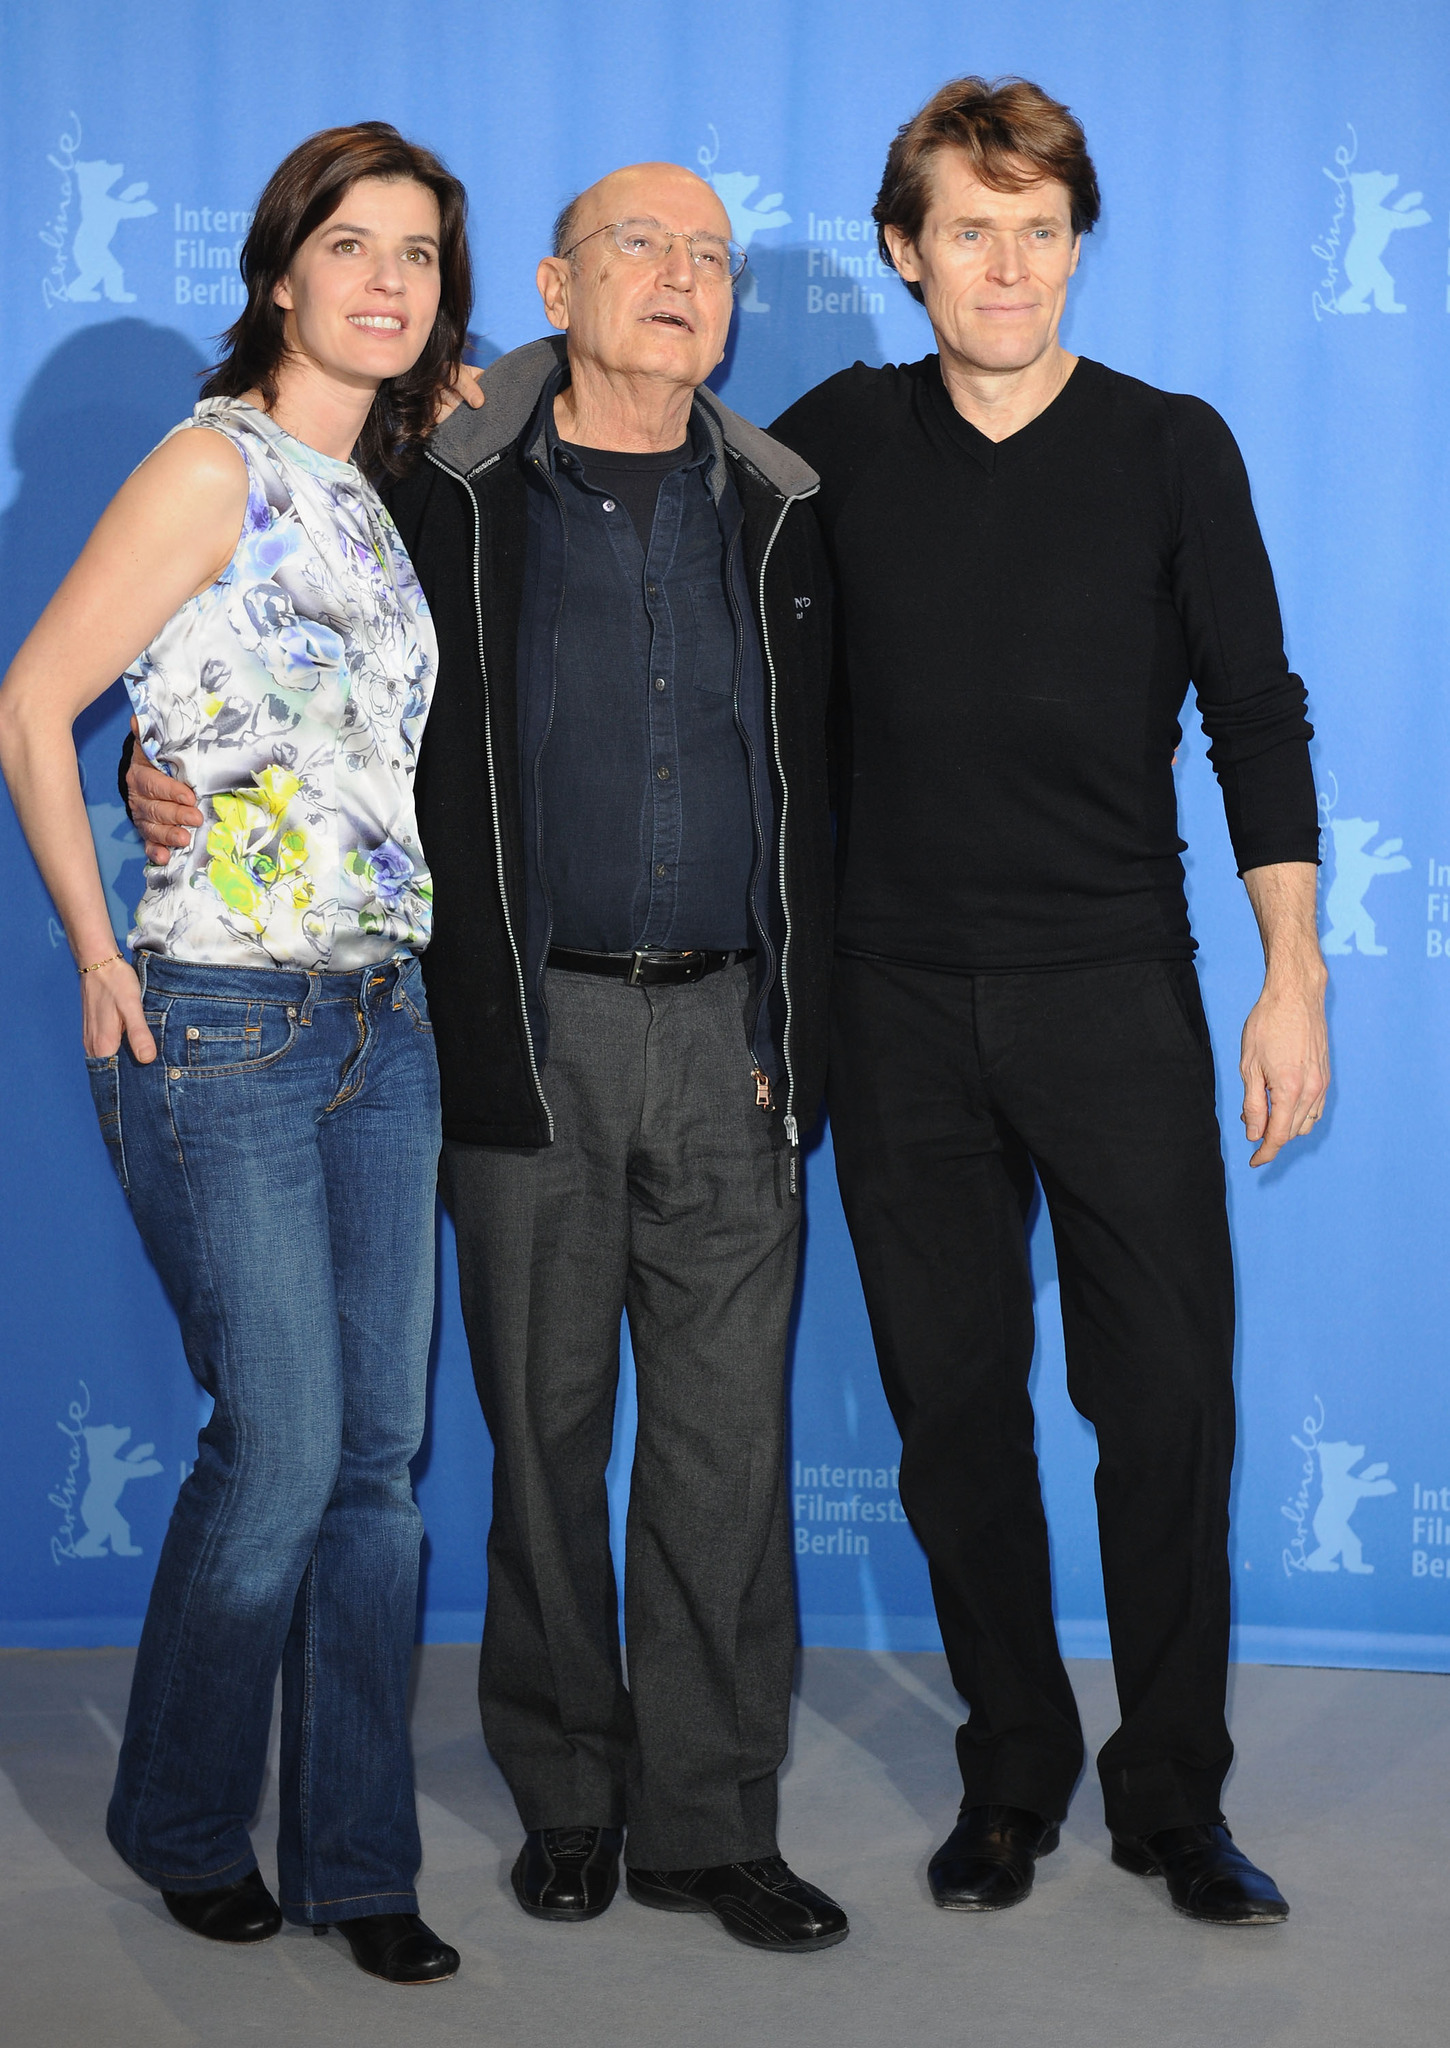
567,1873
762,1903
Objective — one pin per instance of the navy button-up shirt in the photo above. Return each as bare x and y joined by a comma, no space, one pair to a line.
647,805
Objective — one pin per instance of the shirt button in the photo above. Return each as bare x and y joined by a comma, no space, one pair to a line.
663,774
609,504
652,590
661,870
660,682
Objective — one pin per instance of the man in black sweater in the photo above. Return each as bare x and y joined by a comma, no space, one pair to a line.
1034,557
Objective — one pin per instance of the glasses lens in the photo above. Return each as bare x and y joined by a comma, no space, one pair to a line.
716,257
648,241
643,238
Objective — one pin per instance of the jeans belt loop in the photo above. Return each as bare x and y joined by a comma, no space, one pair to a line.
141,963
314,990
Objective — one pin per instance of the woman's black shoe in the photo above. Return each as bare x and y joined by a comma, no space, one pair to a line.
245,1911
398,1947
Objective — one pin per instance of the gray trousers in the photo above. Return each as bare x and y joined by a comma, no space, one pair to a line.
664,1195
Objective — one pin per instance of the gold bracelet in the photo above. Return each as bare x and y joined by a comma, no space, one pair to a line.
98,963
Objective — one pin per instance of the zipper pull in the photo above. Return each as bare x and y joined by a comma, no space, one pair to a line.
762,1088
792,1139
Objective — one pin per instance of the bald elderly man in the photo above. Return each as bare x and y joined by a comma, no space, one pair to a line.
622,792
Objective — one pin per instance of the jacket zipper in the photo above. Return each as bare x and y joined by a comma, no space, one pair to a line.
792,1131
767,950
493,792
538,850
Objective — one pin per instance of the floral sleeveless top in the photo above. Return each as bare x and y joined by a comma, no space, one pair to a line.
291,694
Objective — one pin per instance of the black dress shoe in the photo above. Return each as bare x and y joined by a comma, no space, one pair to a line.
398,1947
989,1858
567,1873
762,1903
245,1911
1208,1878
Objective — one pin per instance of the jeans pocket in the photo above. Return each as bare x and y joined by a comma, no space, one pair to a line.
413,997
104,1076
222,1035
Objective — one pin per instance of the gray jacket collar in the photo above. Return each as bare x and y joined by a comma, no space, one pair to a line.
468,441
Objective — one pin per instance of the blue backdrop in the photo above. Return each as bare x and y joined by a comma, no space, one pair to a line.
1277,198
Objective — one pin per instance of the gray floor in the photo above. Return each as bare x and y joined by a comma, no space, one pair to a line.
1343,1792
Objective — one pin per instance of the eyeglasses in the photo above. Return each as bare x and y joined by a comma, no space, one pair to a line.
647,242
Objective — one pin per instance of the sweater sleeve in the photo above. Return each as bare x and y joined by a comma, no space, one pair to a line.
1253,707
835,425
808,425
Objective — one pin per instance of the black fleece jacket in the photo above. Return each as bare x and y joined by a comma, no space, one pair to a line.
463,517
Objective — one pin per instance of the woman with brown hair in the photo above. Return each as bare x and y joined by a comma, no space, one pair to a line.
264,1076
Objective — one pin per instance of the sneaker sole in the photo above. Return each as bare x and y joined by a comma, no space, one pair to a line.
981,1905
562,1916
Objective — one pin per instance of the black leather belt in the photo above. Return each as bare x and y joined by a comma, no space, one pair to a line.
647,969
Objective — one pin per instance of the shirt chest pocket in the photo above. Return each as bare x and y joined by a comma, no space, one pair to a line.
712,667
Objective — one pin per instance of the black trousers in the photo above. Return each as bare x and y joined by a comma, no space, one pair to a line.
947,1090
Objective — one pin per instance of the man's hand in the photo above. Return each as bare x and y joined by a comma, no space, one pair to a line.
464,390
1285,1058
162,809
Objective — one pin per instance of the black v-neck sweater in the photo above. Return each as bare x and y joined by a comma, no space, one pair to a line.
1019,623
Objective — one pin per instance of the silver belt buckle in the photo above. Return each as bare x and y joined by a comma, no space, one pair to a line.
640,956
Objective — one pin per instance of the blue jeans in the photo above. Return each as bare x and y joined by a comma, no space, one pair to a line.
280,1161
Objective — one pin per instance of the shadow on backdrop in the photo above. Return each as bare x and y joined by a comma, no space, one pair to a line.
93,410
782,349
90,413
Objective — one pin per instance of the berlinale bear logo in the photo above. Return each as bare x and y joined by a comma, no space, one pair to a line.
108,1473
1374,223
747,217
102,212
1355,273
1342,1492
1356,865
1341,1489
91,1519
